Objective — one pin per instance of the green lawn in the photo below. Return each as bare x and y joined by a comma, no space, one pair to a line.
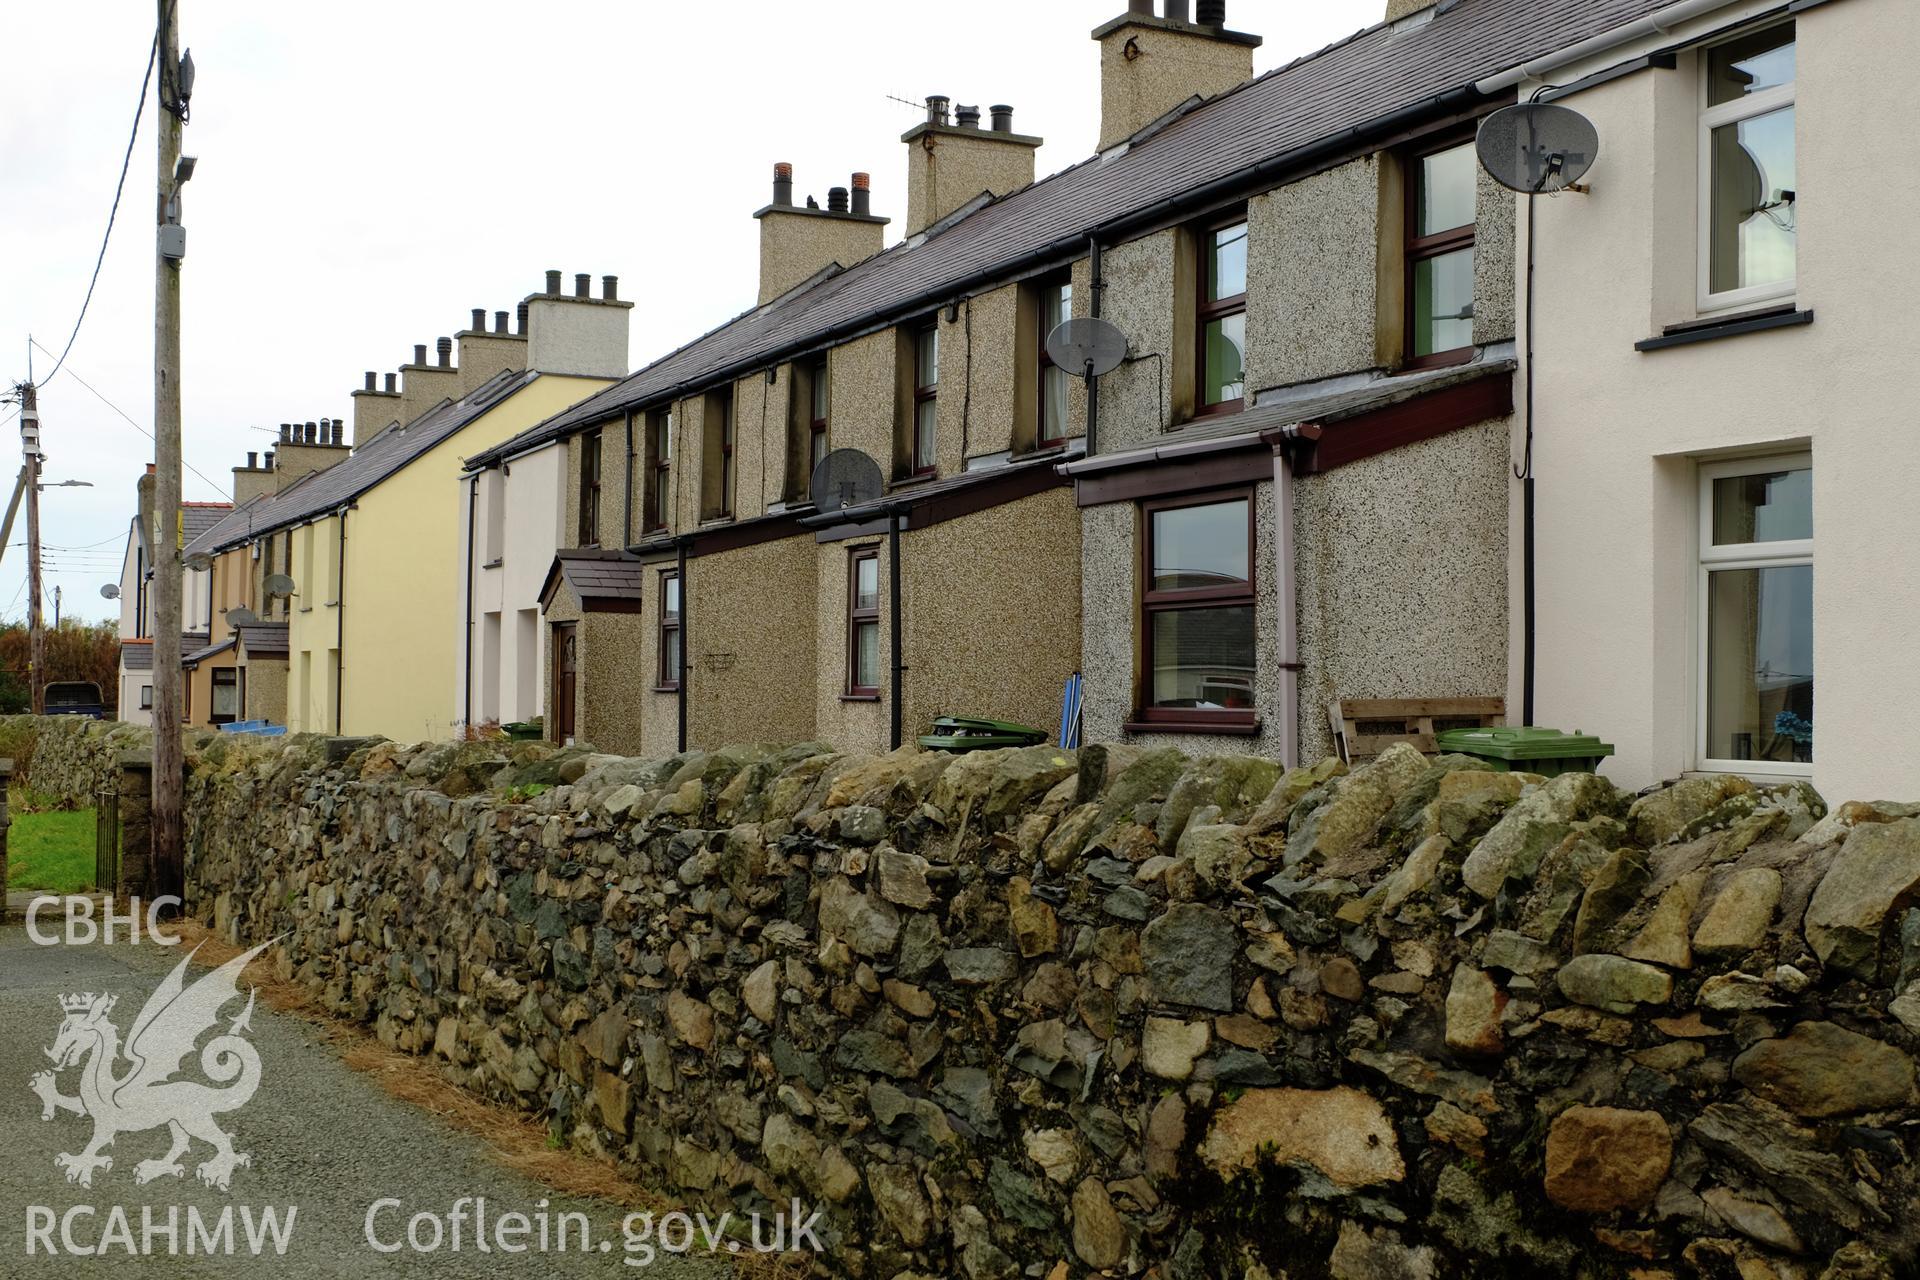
51,851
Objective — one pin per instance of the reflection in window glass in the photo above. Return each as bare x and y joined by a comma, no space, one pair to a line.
1226,340
1446,188
1056,308
866,587
1443,302
1760,664
1751,218
1203,658
1200,546
1227,263
1773,506
1752,64
866,655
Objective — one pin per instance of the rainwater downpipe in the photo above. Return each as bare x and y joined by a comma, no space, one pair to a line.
1525,474
895,642
1291,446
1097,287
340,633
466,676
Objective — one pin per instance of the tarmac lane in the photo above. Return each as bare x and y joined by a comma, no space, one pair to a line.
340,1179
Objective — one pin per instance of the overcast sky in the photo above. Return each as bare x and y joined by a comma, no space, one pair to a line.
369,173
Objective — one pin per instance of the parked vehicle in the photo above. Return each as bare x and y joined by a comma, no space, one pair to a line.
75,698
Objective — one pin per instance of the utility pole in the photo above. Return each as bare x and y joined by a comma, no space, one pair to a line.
36,630
56,606
169,756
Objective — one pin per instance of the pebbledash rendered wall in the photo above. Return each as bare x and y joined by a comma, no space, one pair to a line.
1031,1012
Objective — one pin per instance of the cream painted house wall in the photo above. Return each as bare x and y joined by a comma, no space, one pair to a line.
1621,434
513,547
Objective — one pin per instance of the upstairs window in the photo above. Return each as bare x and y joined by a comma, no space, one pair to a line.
863,624
669,640
1056,308
717,467
590,489
659,499
1439,254
926,398
1198,604
816,414
1222,313
1747,182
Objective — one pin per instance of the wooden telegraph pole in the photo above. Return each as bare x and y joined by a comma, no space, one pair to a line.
169,757
36,623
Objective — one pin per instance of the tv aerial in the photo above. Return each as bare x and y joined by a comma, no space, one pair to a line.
1537,148
845,478
110,591
1087,347
277,585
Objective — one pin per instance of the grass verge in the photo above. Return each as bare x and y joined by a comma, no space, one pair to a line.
51,850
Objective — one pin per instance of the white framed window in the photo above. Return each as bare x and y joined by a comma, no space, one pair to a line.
1748,192
1755,662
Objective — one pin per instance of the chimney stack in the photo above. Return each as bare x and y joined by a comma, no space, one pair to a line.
610,288
950,164
1150,64
553,284
798,242
443,347
563,337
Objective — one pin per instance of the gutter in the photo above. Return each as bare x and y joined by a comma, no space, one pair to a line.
1165,453
1658,23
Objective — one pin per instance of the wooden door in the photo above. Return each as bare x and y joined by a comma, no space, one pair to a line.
566,669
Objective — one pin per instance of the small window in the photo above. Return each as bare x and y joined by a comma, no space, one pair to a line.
720,460
225,707
863,624
1222,312
926,398
1748,187
1198,604
146,697
1056,308
1439,254
817,415
1756,633
659,499
590,489
669,646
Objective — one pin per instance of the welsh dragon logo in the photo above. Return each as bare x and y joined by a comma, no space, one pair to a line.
132,1087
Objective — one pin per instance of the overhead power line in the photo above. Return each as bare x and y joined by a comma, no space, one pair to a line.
217,486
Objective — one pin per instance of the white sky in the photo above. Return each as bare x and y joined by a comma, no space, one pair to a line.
369,173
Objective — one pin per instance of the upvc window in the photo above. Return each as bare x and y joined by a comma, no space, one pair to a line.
1748,189
723,405
926,398
1222,313
660,451
1056,308
226,696
1441,186
863,624
146,697
816,414
590,489
1756,615
669,644
1198,606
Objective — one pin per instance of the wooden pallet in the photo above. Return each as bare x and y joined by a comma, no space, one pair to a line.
1364,727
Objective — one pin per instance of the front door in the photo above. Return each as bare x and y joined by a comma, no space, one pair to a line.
566,667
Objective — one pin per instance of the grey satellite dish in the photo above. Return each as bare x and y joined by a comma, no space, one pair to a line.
241,617
1537,147
111,591
278,585
1087,347
199,562
845,478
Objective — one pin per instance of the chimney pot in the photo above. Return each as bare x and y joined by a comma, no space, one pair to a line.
863,194
391,379
967,117
1178,11
253,460
937,108
313,433
836,199
1211,13
479,324
553,284
1140,6
267,463
1002,119
521,317
582,285
419,353
444,348
370,383
783,183
326,430
610,288
499,322
286,430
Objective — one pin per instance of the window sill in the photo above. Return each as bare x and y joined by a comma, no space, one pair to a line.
1437,360
859,697
666,688
1227,728
1680,335
918,477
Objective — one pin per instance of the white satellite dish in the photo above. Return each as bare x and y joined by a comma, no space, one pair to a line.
111,591
278,585
1537,147
199,562
241,617
1086,347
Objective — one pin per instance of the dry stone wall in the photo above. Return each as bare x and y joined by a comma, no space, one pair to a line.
69,758
1037,1013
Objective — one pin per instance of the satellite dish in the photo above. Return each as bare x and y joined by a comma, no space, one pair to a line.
199,562
845,478
1535,147
1087,347
241,617
110,591
278,585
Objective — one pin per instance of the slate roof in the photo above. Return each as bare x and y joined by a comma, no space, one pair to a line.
232,526
368,465
600,579
1285,115
209,651
136,655
264,639
198,517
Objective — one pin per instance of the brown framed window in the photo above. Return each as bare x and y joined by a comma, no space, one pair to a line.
1221,343
669,646
659,500
224,705
1439,253
721,404
1198,611
1056,308
816,414
590,489
863,623
926,398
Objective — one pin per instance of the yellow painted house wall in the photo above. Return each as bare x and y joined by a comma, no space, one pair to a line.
312,627
403,545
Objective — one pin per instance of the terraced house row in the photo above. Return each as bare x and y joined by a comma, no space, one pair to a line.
1313,476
